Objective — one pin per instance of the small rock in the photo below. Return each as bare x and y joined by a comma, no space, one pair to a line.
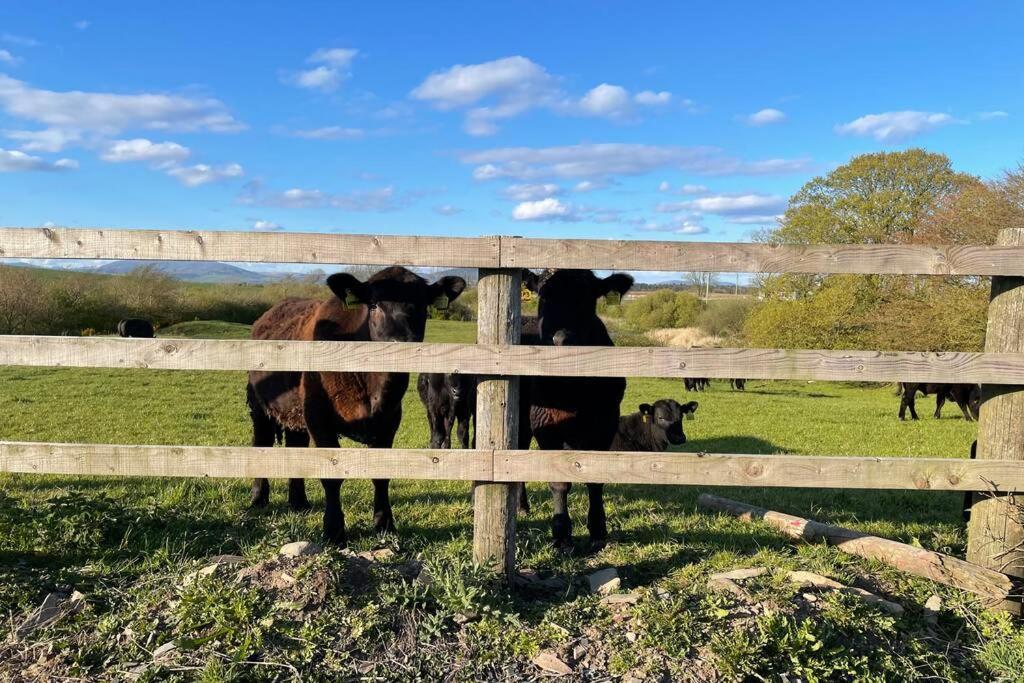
461,618
932,607
740,574
424,578
818,581
662,594
723,585
810,597
164,651
815,580
378,555
552,664
54,606
620,599
630,636
604,581
579,652
288,579
227,559
299,548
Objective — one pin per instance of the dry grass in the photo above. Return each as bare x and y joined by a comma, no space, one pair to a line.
685,337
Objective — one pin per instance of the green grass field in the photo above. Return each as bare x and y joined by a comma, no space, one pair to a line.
127,544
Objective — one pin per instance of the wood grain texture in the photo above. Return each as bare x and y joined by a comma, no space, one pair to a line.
497,422
995,535
797,471
513,252
994,586
498,359
216,245
721,257
243,462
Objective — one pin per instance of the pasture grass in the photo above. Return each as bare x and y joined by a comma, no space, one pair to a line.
130,545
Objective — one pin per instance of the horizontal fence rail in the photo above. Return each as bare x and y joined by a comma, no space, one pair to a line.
613,467
507,252
491,359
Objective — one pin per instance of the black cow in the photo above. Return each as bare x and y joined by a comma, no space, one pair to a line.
448,399
655,427
696,383
136,327
575,413
969,495
967,396
738,384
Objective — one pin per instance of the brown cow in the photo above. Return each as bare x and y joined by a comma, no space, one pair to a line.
363,406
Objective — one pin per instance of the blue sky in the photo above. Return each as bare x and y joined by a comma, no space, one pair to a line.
572,119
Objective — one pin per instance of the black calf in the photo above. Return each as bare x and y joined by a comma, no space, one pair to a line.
655,427
136,327
696,383
966,396
738,384
449,399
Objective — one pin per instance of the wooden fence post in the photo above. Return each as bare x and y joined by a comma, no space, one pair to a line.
995,535
497,421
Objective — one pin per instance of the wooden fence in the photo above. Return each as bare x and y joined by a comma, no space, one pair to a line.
996,533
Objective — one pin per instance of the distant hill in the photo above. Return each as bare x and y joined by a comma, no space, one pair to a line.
190,271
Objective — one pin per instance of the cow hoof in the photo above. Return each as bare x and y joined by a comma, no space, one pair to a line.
596,545
258,503
335,537
565,547
300,506
385,525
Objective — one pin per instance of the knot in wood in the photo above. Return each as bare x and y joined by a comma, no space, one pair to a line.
435,460
953,479
754,469
50,234
922,483
199,239
578,465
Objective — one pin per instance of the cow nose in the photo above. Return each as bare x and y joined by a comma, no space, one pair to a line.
560,338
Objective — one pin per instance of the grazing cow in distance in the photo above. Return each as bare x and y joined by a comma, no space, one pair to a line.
966,396
696,383
575,413
363,406
655,427
135,327
448,399
738,384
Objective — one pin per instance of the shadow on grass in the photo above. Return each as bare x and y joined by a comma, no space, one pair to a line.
730,444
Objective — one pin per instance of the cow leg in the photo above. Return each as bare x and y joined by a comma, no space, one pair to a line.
940,400
907,401
383,518
965,411
263,434
463,430
597,523
524,500
561,522
297,499
448,423
334,516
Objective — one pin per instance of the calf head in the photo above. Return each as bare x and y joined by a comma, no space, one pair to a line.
667,416
457,385
396,300
567,308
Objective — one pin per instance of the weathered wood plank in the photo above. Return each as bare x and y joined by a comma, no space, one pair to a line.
797,471
497,359
515,252
500,465
497,422
995,535
216,245
242,462
715,257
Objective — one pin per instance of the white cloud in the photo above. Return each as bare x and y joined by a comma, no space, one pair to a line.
543,210
45,140
686,226
765,117
266,226
82,24
756,220
12,161
333,68
992,115
727,204
507,87
601,161
330,133
663,186
651,98
337,57
447,210
378,199
611,101
895,125
13,39
141,149
687,188
7,58
588,186
527,192
202,174
110,113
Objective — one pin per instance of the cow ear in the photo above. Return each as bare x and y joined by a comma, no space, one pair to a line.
616,283
646,409
689,409
348,288
446,290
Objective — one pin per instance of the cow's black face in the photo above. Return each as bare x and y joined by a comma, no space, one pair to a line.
396,300
667,415
568,303
457,385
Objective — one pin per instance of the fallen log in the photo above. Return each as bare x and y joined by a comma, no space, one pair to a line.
997,589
